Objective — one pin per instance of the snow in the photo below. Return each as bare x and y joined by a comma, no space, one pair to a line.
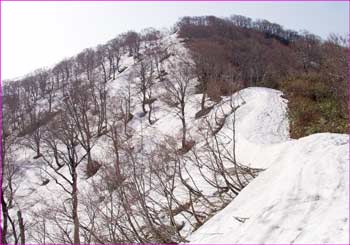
300,197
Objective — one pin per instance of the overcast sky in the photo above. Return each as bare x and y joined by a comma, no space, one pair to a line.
38,34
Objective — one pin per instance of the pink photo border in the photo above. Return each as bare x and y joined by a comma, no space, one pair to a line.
1,116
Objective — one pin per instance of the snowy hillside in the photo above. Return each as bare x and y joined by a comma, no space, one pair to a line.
289,191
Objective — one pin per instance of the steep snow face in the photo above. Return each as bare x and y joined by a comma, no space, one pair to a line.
262,118
302,196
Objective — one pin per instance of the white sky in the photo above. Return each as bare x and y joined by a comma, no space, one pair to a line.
38,34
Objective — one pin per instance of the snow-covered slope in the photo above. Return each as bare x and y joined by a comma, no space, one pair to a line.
302,196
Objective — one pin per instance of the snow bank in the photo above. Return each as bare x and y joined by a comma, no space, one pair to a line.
303,195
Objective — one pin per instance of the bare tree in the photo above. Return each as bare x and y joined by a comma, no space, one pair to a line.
210,62
34,134
12,103
86,63
158,53
241,21
31,125
177,89
61,144
63,73
149,36
50,93
10,172
78,109
217,156
99,97
145,82
132,41
308,48
101,58
114,51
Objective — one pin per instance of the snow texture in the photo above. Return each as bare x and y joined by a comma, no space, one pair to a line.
302,196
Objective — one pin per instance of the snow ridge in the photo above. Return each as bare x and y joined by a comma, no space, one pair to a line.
301,197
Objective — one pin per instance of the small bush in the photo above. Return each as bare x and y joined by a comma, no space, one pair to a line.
313,107
91,168
187,147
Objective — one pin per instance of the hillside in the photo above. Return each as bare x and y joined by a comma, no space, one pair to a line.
136,141
311,72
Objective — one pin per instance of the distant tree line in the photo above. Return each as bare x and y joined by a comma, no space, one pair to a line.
237,52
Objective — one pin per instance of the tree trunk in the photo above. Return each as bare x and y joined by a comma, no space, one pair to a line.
89,159
75,207
184,132
203,101
149,114
21,227
4,220
116,151
184,129
38,154
50,102
105,78
144,100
